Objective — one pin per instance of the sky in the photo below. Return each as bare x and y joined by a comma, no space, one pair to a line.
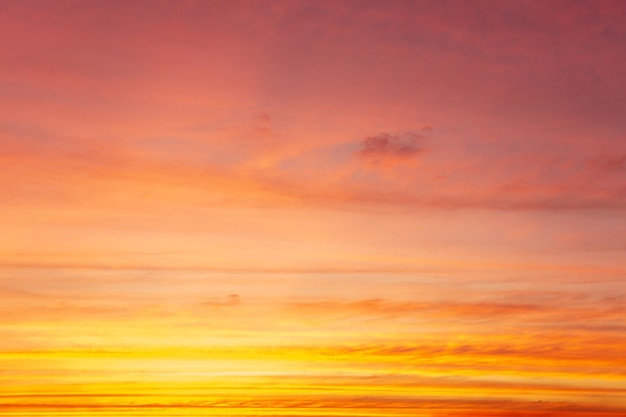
313,208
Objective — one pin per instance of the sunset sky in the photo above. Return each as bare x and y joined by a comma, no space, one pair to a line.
313,208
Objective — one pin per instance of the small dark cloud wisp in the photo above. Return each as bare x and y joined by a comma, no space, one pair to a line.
392,147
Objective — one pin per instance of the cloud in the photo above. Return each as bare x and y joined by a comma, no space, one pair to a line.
386,146
231,300
387,309
612,164
598,317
